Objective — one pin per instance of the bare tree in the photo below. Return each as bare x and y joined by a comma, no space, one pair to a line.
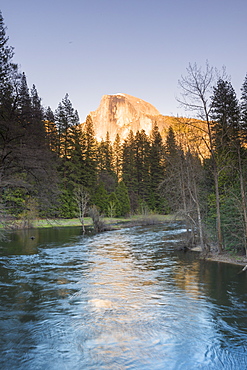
82,199
195,97
99,224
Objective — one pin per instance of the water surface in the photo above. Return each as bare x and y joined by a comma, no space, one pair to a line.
118,300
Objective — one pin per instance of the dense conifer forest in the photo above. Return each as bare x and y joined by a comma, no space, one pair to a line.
50,165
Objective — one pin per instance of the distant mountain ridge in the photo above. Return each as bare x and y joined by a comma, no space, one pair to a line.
120,113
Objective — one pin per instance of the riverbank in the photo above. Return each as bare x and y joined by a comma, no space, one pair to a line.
111,222
224,257
227,257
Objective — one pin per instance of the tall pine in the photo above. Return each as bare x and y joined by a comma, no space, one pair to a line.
89,154
225,114
129,169
142,165
65,117
156,169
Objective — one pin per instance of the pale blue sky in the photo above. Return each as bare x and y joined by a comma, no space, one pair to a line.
138,47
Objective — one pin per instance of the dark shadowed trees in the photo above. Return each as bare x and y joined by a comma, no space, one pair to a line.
156,170
129,169
228,138
51,132
27,173
142,164
106,172
123,198
65,117
89,159
117,157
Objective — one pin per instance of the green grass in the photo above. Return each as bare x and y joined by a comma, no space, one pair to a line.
114,222
61,222
145,219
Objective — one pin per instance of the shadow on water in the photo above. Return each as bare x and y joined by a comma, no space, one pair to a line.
27,241
124,299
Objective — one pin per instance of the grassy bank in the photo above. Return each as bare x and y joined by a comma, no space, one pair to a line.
114,222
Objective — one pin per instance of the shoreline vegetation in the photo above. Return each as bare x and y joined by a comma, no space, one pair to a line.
110,222
136,220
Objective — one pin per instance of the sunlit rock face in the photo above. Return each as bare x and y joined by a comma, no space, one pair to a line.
120,113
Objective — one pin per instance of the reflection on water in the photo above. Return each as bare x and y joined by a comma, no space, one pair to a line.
119,300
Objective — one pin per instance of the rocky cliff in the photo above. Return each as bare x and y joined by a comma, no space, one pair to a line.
120,113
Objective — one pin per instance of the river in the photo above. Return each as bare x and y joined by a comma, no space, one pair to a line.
123,299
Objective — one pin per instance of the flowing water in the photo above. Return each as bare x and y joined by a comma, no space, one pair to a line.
118,300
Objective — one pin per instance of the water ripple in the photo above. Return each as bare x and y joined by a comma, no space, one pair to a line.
120,300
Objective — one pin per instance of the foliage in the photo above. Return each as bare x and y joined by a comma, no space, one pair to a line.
51,165
100,198
123,199
14,200
113,208
67,206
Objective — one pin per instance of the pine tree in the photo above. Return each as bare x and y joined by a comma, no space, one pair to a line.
172,165
227,143
65,117
74,163
105,156
129,173
106,172
89,148
171,147
37,127
51,133
24,102
108,155
113,207
117,156
142,164
100,198
37,162
11,131
123,198
6,54
69,151
156,169
37,109
156,157
9,75
26,169
225,114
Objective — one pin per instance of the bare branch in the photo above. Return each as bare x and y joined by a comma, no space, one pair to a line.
81,197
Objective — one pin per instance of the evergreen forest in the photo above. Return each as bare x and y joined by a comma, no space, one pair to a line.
49,162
